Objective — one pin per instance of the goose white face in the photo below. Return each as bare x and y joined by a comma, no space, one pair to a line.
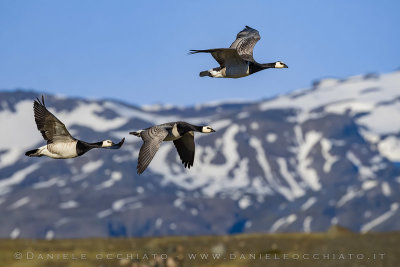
207,129
280,64
107,143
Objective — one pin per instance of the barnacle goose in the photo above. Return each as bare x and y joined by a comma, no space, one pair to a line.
181,133
60,143
237,61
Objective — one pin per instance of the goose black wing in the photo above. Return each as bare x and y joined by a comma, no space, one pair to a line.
185,147
224,56
245,42
152,138
51,128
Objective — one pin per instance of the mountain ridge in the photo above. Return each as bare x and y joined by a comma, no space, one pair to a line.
303,161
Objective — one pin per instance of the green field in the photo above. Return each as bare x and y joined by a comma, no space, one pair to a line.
317,249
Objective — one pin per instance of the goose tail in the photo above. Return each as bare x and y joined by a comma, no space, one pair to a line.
136,133
33,153
205,73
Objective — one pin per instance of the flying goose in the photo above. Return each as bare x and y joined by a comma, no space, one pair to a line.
181,133
60,144
237,61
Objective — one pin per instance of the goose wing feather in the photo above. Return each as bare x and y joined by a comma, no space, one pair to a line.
152,138
224,56
51,128
186,147
245,42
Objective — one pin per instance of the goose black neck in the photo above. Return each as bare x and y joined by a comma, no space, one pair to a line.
198,128
82,147
255,67
187,127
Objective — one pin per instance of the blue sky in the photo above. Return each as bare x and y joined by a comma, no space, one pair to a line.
136,51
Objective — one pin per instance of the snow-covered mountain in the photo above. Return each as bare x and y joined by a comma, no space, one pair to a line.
300,162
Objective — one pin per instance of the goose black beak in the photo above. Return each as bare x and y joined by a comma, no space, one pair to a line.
285,66
117,146
213,131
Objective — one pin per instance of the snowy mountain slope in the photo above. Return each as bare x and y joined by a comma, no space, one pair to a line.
299,162
372,100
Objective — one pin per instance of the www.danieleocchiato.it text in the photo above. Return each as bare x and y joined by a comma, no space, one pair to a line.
200,256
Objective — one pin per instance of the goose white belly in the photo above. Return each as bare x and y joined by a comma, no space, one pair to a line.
59,150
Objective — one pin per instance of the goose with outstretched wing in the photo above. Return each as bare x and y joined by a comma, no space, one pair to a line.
237,61
60,143
180,132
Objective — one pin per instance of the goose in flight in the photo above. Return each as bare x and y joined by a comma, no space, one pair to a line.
237,61
181,133
60,144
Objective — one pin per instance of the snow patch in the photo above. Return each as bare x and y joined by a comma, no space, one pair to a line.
119,204
158,107
194,212
350,194
351,106
10,157
85,114
379,220
114,177
20,126
69,204
364,172
386,189
61,222
15,233
254,125
308,174
271,137
390,148
140,190
244,202
172,226
283,222
46,184
339,97
243,115
19,203
374,122
158,223
369,184
92,166
329,159
334,221
296,189
264,164
307,224
104,213
17,177
178,203
130,112
50,235
311,201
